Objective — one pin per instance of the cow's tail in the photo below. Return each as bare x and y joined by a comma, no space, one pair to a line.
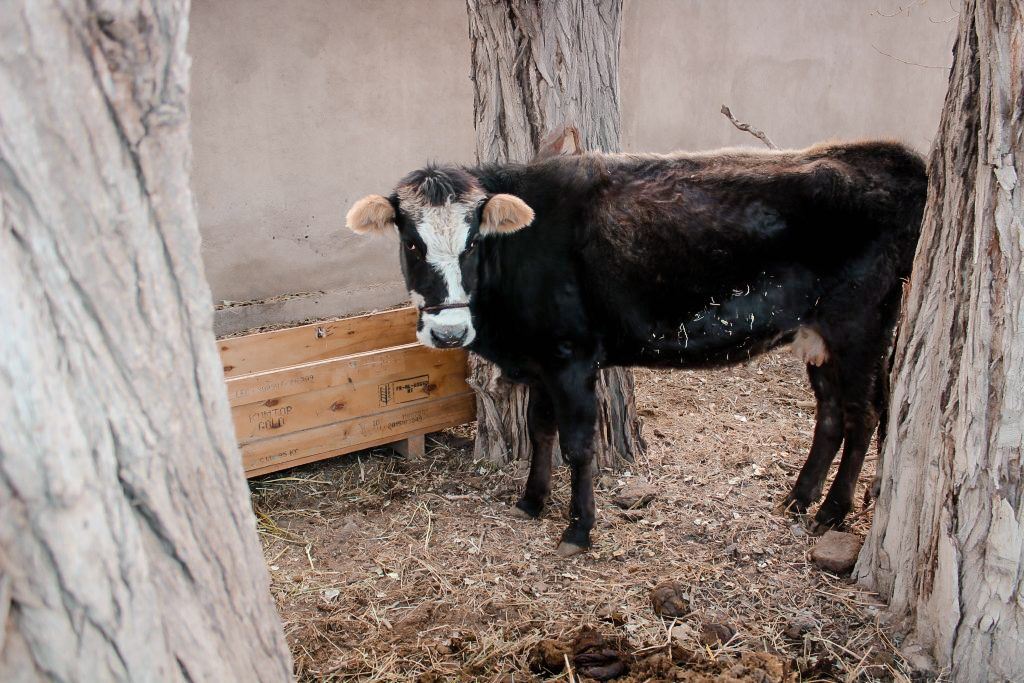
884,391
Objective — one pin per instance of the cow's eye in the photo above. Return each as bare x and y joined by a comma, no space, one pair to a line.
472,244
411,246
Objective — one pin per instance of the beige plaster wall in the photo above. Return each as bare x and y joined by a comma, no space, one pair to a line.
300,107
801,70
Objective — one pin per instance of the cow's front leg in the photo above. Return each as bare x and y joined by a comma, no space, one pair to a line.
540,420
575,406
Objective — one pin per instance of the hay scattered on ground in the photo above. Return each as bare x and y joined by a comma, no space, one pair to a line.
392,571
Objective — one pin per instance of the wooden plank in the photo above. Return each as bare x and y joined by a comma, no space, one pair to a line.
398,360
344,388
307,343
412,448
268,455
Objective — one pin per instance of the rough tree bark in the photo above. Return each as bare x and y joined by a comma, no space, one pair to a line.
127,543
946,545
537,66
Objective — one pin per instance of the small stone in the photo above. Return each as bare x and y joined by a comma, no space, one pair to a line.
631,515
836,551
919,659
349,529
884,660
715,633
330,594
612,615
635,495
683,634
798,625
670,600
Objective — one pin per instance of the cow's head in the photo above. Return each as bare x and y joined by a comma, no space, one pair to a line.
440,215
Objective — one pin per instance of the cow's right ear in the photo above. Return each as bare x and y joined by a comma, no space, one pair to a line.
503,214
371,214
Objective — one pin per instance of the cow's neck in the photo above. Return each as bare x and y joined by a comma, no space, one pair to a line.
519,273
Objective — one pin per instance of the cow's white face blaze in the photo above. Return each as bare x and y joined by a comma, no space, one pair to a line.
440,215
445,234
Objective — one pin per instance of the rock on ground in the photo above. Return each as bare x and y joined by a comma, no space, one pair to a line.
715,633
635,494
836,551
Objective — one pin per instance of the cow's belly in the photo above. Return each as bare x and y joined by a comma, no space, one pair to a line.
727,327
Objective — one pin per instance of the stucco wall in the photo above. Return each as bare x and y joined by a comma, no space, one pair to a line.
301,107
298,109
801,70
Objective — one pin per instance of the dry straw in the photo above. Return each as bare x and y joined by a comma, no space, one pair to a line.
392,571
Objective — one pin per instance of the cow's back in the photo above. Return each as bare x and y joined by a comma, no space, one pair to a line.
668,239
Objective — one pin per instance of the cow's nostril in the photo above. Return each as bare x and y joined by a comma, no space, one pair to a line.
448,338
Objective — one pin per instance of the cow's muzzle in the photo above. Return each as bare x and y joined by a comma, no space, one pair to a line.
445,326
448,336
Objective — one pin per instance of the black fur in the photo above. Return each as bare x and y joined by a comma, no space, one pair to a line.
437,185
693,261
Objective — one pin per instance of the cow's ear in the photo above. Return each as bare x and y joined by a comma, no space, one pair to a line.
505,213
371,214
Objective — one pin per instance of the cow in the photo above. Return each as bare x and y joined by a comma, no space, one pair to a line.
556,268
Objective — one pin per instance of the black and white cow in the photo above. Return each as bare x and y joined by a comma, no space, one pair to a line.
559,267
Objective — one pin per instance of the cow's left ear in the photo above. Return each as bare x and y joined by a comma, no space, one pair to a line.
372,214
505,213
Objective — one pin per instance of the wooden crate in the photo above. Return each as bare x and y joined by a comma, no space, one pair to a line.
316,391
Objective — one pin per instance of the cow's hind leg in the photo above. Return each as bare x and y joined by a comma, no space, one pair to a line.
540,420
864,362
860,417
828,435
575,404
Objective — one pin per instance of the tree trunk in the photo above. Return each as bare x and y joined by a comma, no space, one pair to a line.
946,544
538,66
127,543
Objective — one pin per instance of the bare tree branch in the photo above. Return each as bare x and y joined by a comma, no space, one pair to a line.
554,142
746,127
904,61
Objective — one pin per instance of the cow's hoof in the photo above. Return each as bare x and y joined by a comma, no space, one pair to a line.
520,513
566,549
790,506
829,517
526,510
816,528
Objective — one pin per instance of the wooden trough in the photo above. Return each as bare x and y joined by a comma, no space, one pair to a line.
316,391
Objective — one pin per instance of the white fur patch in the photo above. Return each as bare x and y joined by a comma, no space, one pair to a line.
452,317
444,231
810,347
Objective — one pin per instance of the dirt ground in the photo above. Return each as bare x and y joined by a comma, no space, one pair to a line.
395,571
